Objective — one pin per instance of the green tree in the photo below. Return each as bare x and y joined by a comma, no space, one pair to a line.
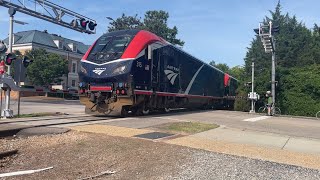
46,68
154,21
237,72
126,22
223,67
297,58
212,63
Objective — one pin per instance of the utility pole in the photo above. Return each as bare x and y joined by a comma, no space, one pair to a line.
273,74
252,89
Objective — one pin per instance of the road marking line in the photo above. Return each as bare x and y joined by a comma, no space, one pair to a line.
167,118
257,118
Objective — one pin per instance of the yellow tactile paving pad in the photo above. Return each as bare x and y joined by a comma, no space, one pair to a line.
111,130
255,152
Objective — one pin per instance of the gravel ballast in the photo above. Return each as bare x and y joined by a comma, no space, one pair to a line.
75,155
209,165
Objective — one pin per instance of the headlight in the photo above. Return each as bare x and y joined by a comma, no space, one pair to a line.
82,84
119,70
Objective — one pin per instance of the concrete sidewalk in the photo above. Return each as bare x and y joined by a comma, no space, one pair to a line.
261,139
256,145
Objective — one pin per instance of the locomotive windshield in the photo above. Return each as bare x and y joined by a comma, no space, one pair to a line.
109,48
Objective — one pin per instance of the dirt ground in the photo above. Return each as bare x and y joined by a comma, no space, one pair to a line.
77,155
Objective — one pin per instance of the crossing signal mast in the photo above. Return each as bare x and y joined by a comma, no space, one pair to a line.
54,13
44,10
266,33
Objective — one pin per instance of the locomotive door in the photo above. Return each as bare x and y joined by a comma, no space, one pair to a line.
169,70
155,70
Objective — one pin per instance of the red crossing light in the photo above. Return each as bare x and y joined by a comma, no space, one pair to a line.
83,23
2,69
9,59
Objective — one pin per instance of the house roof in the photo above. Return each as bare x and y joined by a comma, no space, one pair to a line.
46,39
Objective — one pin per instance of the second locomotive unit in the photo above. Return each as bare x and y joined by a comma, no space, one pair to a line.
135,71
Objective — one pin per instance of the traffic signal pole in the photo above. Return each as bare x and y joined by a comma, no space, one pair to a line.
252,88
7,112
50,12
266,33
273,76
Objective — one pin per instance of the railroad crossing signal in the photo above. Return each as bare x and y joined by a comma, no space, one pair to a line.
92,25
83,23
266,32
26,61
51,12
2,68
9,58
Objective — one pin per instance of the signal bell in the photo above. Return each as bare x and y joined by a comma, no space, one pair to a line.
26,61
10,58
74,23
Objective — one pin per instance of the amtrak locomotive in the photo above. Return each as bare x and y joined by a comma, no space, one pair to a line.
135,71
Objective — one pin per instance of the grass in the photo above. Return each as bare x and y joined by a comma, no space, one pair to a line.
189,127
36,115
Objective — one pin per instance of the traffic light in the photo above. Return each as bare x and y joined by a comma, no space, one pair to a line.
83,23
9,58
26,61
92,25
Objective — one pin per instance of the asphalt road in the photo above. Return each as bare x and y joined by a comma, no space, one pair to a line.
34,106
296,127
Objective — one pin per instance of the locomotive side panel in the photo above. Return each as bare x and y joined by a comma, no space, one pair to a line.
141,69
168,67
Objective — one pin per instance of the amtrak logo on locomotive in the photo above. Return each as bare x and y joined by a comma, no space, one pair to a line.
99,71
171,75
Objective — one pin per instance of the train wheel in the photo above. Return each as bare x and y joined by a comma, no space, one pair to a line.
145,111
166,110
124,111
141,111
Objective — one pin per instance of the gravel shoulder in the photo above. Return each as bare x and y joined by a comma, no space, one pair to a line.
77,155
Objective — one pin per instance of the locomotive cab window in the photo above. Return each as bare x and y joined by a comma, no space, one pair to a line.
109,48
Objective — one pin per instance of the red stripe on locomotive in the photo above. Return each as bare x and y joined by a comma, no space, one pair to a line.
100,88
85,57
226,79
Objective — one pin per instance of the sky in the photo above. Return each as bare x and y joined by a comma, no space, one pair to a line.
212,30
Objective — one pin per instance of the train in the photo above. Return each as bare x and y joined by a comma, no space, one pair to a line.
136,72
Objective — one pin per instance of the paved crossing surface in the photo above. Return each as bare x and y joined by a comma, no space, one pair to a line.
280,139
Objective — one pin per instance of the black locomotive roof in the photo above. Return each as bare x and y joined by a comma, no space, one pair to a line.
131,32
